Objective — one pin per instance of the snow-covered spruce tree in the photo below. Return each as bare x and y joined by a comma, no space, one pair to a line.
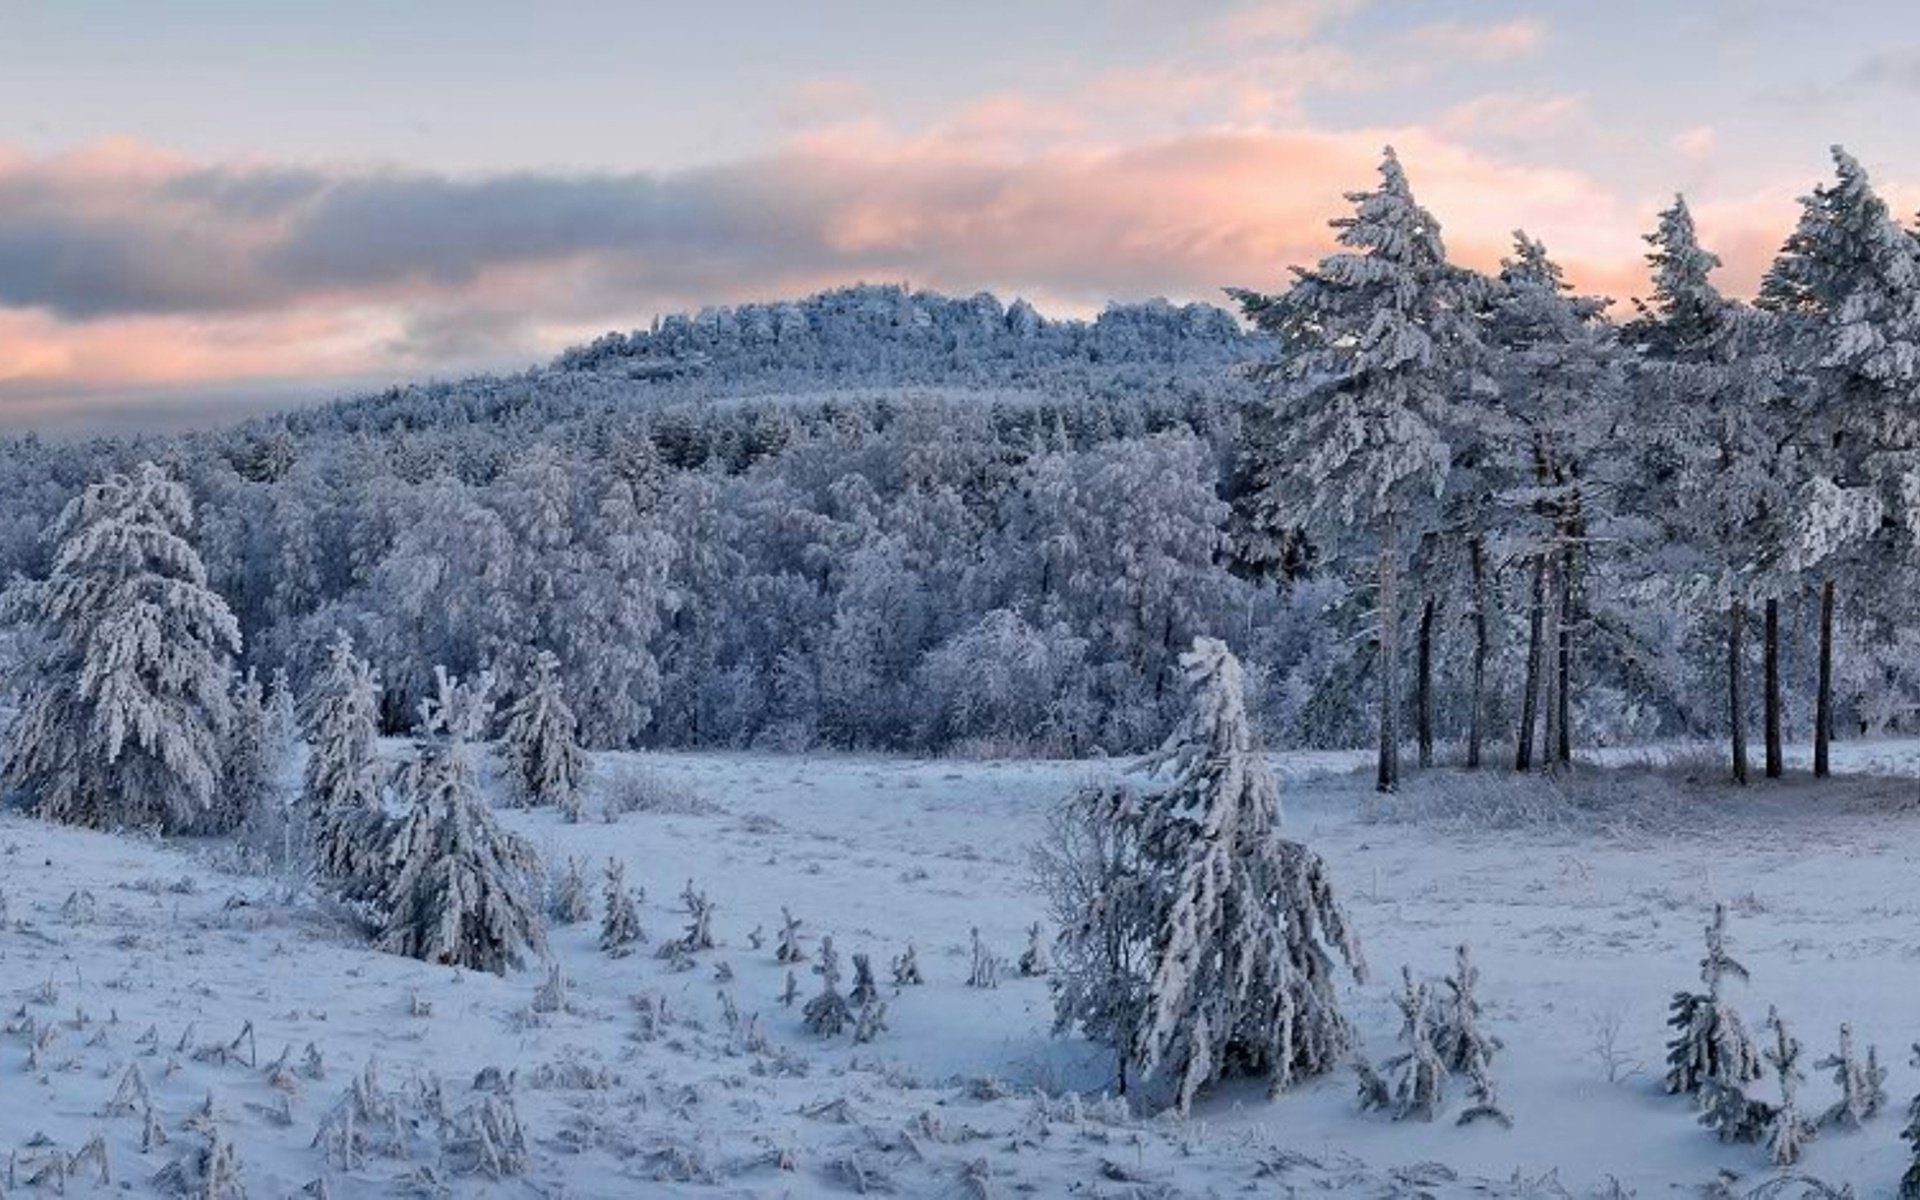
1457,1036
1376,343
122,697
1788,1132
1862,1084
1910,1181
1560,389
570,903
248,793
283,719
341,798
461,890
1241,979
620,928
1846,287
827,1013
1419,1076
539,744
1710,1045
1719,457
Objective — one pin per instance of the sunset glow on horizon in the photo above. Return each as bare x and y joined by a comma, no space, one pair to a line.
223,207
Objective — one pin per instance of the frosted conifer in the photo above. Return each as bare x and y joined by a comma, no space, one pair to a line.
341,796
864,991
906,969
247,781
1788,1132
985,969
1862,1084
283,721
1420,1077
1710,1043
540,746
1457,1036
122,700
788,951
620,923
571,903
1242,977
1034,959
1910,1181
827,1014
461,889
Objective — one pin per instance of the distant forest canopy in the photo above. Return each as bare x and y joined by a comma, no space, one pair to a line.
878,518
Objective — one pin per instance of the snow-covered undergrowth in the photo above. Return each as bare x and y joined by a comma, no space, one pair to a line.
135,974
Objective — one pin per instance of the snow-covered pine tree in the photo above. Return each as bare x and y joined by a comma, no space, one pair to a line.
539,744
1846,286
865,990
341,798
1420,1077
827,1013
620,928
1910,1181
122,697
1862,1084
1788,1132
906,969
1376,344
1241,979
1458,1038
571,902
1035,960
283,720
1710,1043
461,890
247,791
1559,377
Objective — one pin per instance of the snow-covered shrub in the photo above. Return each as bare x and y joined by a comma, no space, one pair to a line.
1419,1074
1788,1132
637,790
123,696
539,745
570,902
460,891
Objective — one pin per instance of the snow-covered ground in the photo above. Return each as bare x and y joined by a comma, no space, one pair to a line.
1584,908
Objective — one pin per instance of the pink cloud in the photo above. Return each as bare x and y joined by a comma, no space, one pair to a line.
1481,43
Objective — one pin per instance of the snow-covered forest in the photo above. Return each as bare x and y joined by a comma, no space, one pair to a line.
889,742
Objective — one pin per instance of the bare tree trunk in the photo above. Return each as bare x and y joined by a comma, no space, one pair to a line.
1530,694
1549,671
1562,749
1477,555
1388,778
1776,764
1424,692
1823,702
1736,694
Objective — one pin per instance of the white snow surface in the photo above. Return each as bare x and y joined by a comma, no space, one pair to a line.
1584,907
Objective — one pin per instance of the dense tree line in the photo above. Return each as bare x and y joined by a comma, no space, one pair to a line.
882,518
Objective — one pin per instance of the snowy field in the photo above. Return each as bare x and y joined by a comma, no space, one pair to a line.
1584,909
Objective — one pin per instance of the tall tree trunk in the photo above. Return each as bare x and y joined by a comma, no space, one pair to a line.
1550,619
1530,694
1562,749
1388,777
1823,702
1477,556
1424,693
1776,764
1736,693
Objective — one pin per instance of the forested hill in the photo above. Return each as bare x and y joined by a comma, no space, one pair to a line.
863,337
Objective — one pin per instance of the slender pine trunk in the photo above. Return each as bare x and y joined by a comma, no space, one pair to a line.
1776,761
1388,776
1563,744
1424,692
1549,671
1736,693
1823,702
1530,693
1477,556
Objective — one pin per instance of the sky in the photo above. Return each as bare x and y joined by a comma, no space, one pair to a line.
209,207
